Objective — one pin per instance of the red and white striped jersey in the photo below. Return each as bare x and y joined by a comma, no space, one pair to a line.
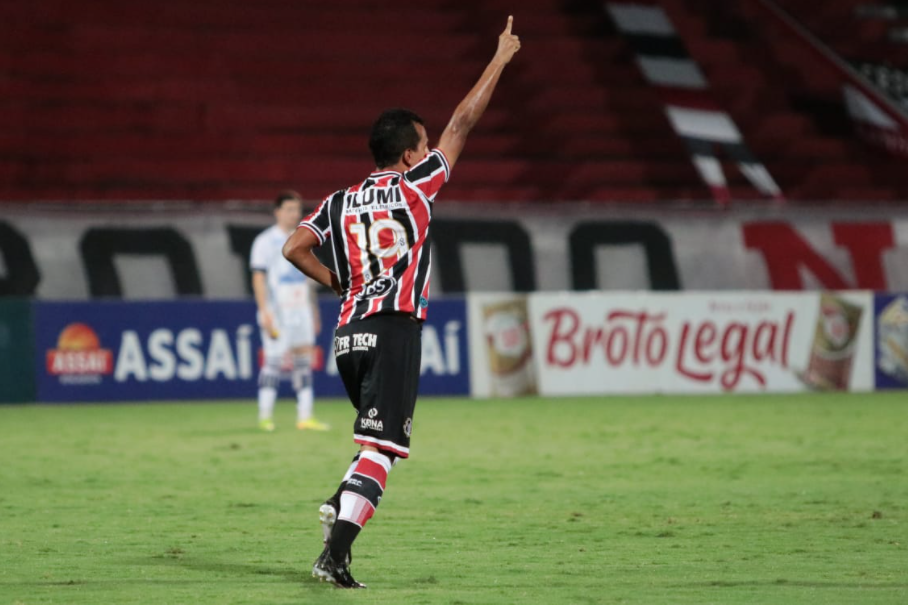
380,235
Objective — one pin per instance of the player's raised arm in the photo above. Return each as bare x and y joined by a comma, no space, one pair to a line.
474,104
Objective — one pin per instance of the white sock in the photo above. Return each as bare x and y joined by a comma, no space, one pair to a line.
267,397
269,381
302,384
304,402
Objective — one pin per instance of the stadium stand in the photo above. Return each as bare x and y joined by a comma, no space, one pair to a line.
225,99
857,29
787,100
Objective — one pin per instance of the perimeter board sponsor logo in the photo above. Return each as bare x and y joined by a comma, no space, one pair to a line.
79,357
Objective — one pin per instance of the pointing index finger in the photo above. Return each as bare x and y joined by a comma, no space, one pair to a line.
507,29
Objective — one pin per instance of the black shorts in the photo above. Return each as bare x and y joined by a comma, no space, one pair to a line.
378,359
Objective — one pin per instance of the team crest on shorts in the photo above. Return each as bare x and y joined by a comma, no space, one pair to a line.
408,426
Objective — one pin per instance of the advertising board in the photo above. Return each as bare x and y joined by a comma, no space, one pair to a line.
891,338
175,350
747,342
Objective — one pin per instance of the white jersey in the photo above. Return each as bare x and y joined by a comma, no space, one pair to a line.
288,289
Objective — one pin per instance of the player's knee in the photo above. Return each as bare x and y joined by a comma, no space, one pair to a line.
302,381
389,455
270,374
272,365
302,372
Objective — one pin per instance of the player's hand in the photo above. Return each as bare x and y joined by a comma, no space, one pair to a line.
508,43
335,284
268,324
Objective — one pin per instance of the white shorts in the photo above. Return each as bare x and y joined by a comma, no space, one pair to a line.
293,331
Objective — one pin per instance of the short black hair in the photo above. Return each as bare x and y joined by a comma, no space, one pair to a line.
285,195
392,134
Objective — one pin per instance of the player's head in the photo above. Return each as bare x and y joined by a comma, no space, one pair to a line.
288,209
398,135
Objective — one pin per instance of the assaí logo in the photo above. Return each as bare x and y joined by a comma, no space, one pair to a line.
161,355
189,355
79,358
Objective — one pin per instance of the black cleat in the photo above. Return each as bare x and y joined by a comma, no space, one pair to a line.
327,570
320,562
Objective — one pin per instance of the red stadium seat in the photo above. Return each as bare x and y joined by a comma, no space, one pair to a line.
229,99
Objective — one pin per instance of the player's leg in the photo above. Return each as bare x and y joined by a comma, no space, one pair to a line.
327,512
389,373
348,369
361,495
325,567
302,382
305,393
269,378
302,341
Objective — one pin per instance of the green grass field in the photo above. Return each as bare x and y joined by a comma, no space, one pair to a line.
795,499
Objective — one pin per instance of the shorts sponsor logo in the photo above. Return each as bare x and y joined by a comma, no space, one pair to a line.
369,423
364,341
408,426
341,345
377,288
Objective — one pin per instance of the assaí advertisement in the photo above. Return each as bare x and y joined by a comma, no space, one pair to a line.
118,351
197,349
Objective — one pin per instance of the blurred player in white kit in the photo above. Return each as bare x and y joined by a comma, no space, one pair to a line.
287,315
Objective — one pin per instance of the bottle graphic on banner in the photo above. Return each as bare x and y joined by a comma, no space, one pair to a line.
892,339
510,350
832,353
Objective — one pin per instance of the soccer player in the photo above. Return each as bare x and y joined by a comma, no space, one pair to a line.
287,315
379,231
